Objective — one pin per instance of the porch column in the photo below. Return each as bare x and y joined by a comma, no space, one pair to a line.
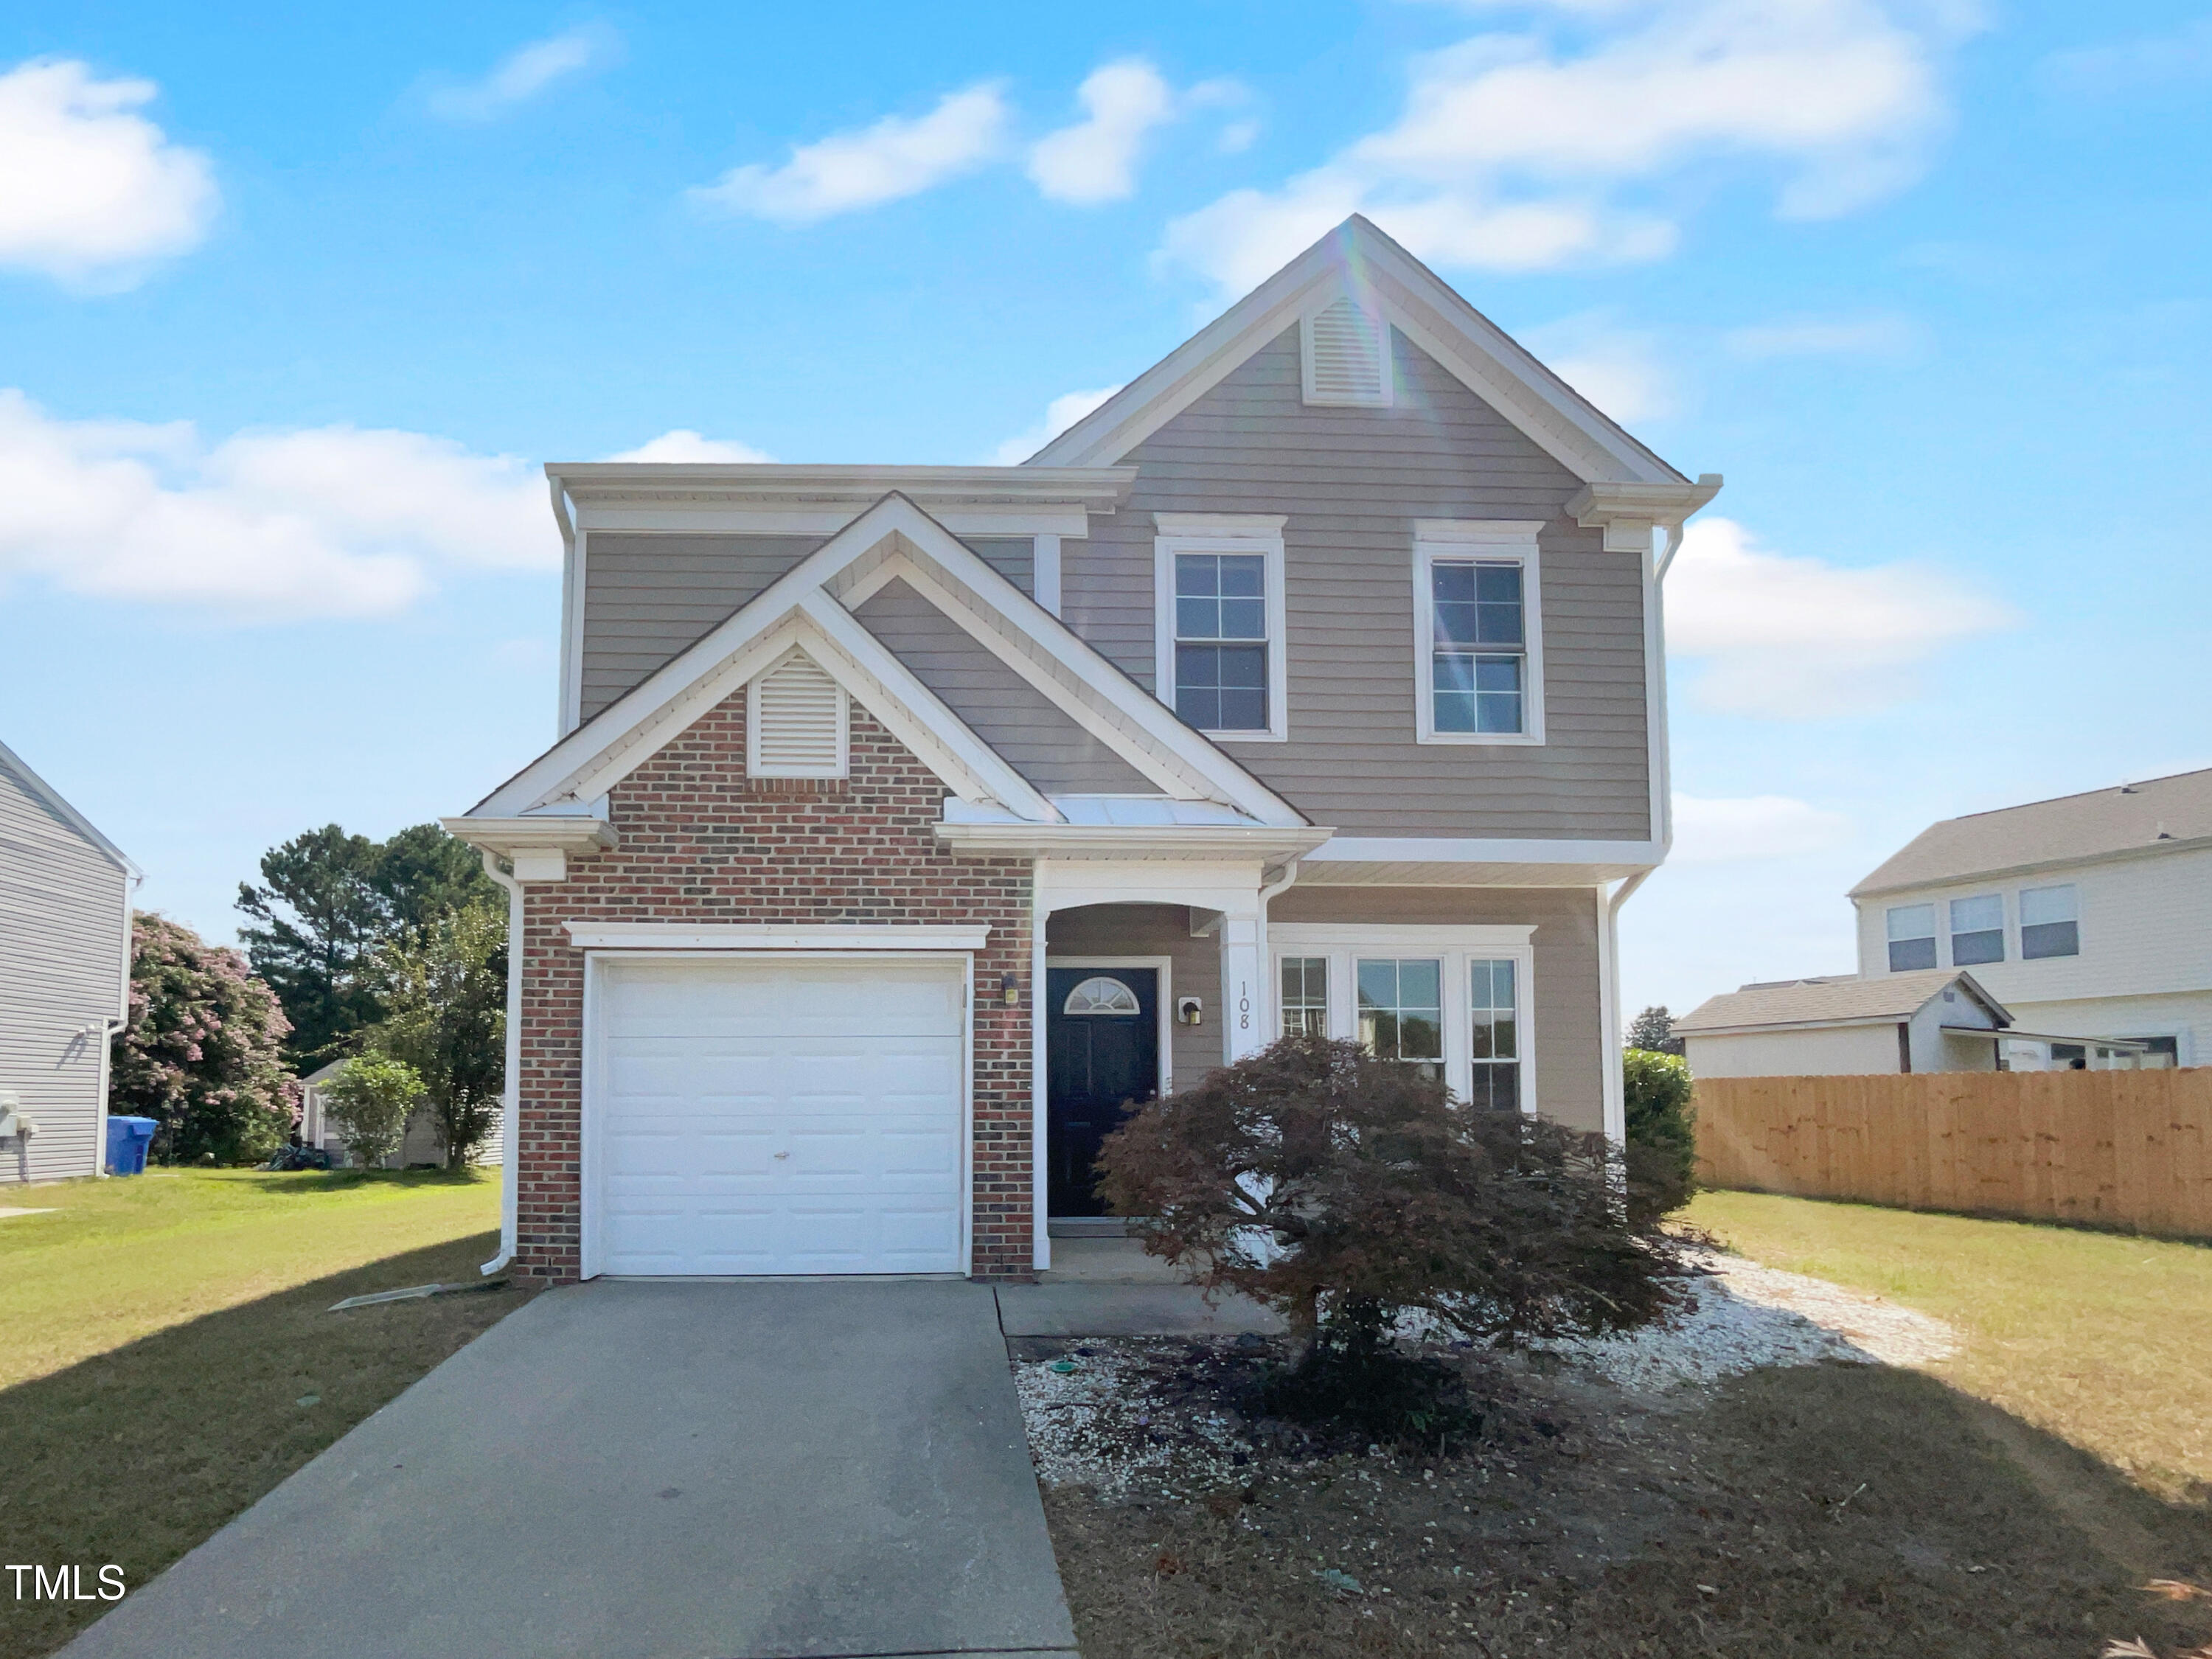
1243,982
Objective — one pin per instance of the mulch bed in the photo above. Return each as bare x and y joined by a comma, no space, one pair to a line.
1829,1509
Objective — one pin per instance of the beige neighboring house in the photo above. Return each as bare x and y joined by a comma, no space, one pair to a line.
64,978
1935,1020
422,1144
2089,915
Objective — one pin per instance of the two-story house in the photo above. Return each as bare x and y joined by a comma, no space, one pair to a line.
2087,916
64,978
905,822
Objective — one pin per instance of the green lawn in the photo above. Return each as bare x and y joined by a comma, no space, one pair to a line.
2103,1340
167,1355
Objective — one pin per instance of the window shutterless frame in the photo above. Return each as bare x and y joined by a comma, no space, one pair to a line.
1472,545
1219,635
1342,946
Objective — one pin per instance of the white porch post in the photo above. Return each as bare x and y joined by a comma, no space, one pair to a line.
1243,985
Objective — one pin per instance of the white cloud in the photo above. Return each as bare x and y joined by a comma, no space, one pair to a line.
896,157
2148,61
1062,413
1885,335
1096,159
683,444
1617,369
524,73
1514,153
1794,638
330,521
90,191
1725,831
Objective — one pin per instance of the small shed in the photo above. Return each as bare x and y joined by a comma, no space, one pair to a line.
422,1144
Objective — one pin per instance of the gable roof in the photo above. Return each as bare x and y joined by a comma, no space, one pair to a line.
1840,1000
1382,277
812,605
2158,814
52,800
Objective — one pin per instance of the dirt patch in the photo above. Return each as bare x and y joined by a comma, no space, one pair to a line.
1831,1508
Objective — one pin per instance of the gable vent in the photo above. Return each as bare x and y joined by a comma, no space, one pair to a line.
1347,356
796,728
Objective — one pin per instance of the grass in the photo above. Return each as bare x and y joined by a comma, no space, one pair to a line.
167,1355
2097,1338
1851,1512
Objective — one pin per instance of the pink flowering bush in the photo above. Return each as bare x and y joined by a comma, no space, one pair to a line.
202,1053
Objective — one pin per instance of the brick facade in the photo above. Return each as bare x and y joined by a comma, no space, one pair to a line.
701,843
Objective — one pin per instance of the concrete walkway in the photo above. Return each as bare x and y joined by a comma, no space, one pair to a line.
1110,1287
630,1470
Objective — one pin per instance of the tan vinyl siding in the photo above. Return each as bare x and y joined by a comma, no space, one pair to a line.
1351,482
1013,557
1032,735
1153,930
648,598
62,967
1571,1042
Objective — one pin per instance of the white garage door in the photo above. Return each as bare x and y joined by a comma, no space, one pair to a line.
776,1117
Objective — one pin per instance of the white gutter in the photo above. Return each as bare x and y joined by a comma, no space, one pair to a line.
1272,997
510,1104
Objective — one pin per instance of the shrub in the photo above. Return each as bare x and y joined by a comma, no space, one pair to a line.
1663,1135
1346,1192
370,1100
444,989
200,1051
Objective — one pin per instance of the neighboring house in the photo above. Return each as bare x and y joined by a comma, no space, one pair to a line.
1936,1020
422,1144
64,978
2089,915
907,821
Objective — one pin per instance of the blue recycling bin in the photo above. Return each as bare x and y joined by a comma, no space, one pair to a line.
128,1137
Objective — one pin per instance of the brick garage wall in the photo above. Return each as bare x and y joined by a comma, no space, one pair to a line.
701,843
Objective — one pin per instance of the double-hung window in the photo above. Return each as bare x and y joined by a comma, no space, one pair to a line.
1305,996
1911,937
2049,922
1220,622
1494,1047
1977,930
1478,633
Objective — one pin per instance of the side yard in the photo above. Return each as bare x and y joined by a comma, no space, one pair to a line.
166,1357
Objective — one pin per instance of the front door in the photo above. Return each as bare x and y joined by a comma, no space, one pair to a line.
1102,1051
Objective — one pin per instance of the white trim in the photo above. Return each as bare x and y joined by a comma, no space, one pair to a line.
711,519
1498,541
1248,536
1164,1015
757,768
1343,944
1082,681
663,936
575,599
592,1084
1044,571
1180,842
1452,849
1358,258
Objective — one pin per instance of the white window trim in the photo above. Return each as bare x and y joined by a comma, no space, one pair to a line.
1478,539
1224,532
1345,942
754,767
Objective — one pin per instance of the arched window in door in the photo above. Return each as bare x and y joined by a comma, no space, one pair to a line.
1101,994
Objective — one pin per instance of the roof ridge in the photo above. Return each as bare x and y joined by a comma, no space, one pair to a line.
2126,786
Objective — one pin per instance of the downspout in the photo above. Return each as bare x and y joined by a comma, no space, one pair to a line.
1271,994
1608,945
114,1022
510,1104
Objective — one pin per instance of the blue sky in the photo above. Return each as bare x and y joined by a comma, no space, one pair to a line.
294,302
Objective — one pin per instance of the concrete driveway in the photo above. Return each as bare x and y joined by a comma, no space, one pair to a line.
632,1470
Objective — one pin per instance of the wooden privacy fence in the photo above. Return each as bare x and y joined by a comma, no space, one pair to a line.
2113,1149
